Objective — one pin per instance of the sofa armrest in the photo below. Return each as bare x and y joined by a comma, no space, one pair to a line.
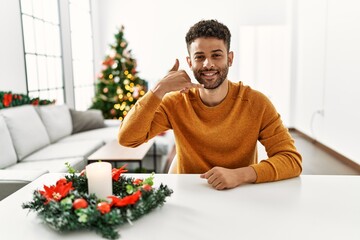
13,180
112,122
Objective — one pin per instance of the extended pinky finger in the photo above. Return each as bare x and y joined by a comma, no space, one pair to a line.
196,85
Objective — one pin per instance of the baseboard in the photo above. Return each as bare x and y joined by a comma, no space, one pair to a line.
330,151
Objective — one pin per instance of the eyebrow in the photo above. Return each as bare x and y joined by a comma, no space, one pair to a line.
213,51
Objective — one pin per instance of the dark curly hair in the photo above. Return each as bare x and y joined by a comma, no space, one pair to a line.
208,29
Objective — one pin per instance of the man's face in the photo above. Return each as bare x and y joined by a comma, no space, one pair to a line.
209,60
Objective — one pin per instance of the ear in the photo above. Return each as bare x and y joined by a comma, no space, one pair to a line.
230,58
188,59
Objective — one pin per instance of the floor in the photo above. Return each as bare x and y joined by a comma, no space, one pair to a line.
315,160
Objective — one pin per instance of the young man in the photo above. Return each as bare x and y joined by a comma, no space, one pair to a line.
217,122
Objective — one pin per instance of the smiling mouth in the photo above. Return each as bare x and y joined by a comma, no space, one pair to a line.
209,74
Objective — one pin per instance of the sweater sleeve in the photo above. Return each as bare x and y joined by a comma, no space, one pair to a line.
283,161
144,121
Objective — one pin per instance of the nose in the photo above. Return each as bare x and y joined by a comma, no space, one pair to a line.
208,63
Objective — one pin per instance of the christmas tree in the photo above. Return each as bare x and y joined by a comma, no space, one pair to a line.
118,86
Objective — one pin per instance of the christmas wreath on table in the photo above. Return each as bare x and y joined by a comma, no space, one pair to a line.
67,205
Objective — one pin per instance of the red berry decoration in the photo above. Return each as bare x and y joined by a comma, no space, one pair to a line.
80,203
103,207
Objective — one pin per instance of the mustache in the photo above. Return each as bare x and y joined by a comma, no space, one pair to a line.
207,69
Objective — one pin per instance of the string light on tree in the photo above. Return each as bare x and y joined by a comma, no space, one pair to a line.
118,85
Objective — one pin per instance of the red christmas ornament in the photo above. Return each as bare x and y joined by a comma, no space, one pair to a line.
7,99
147,187
35,102
109,62
80,203
104,207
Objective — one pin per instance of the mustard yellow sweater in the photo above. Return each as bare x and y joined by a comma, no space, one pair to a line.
225,135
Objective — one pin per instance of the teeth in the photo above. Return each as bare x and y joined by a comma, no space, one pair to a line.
209,74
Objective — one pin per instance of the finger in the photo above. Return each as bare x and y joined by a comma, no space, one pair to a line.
212,179
195,85
208,174
191,85
184,90
216,183
220,186
183,76
176,66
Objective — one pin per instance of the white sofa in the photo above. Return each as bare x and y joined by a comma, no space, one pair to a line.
37,140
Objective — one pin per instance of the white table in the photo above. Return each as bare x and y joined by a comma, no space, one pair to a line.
113,152
308,207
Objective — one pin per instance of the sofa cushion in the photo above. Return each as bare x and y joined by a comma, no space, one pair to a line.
65,150
53,165
102,134
57,121
86,120
7,153
27,131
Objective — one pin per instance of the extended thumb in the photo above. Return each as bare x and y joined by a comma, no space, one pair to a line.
176,66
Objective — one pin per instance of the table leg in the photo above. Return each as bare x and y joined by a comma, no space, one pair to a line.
154,157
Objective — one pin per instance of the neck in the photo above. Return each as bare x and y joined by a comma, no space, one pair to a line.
213,97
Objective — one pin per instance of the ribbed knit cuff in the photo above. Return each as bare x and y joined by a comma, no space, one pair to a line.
264,171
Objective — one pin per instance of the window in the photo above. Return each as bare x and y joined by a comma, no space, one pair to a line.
58,55
43,56
82,53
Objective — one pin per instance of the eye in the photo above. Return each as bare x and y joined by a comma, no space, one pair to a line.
216,55
199,57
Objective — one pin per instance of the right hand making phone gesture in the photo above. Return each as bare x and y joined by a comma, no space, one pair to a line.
175,80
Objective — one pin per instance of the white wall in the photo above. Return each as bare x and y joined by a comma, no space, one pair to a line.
156,29
264,62
156,34
328,73
12,65
310,69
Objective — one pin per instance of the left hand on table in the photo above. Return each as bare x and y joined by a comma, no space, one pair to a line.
223,178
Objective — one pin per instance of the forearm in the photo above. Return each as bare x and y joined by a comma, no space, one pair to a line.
159,90
246,175
284,160
137,126
279,167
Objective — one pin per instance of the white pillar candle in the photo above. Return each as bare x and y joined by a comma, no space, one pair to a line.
99,179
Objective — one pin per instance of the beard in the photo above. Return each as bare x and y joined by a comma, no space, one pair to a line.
220,76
